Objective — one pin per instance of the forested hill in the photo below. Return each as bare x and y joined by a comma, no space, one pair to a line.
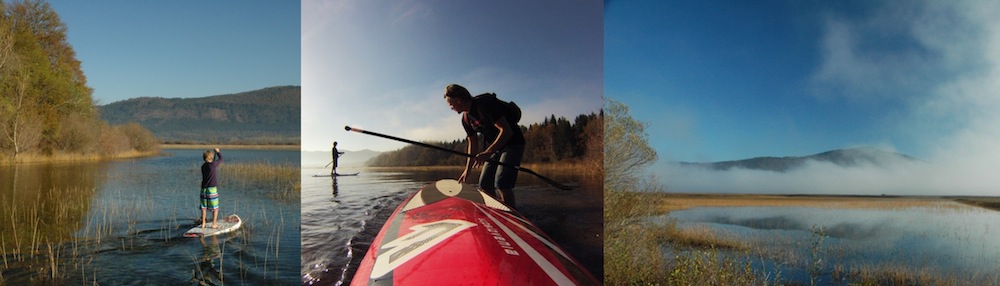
266,116
553,140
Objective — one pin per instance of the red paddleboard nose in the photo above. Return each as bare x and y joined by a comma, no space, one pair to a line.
448,187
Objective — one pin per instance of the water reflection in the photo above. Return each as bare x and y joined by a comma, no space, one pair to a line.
45,201
951,239
335,190
206,271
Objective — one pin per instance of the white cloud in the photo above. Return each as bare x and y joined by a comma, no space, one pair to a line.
943,63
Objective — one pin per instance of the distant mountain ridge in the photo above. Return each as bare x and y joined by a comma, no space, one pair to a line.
842,157
265,116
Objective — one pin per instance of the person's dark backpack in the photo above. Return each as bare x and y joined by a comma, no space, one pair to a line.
513,111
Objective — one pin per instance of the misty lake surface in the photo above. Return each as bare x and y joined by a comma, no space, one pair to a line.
948,240
121,223
341,216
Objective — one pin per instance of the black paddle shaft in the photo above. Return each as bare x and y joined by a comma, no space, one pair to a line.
439,148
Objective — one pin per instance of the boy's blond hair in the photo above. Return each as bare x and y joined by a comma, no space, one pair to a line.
209,156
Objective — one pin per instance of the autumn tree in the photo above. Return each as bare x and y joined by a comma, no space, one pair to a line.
45,103
19,127
55,74
630,248
626,147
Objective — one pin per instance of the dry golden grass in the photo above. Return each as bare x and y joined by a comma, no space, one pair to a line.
60,157
229,146
283,179
992,203
585,168
41,238
703,237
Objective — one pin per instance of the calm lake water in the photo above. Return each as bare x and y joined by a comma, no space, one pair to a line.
340,217
949,240
120,223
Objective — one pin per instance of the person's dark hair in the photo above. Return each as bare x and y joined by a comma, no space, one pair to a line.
457,91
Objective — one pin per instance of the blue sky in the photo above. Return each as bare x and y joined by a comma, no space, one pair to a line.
730,80
173,49
383,65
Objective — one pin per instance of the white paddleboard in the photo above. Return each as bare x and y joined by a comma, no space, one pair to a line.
337,175
227,224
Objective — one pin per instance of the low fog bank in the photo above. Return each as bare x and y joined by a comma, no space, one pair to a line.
891,177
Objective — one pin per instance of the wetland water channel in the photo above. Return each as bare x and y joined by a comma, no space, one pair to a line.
944,239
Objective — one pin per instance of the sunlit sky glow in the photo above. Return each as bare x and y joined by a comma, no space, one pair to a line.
383,65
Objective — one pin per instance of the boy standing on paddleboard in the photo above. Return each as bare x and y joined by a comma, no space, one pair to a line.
492,117
209,182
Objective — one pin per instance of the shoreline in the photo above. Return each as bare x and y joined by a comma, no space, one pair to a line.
667,202
230,146
33,158
75,158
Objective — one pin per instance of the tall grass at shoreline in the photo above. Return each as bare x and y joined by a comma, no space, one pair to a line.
42,243
282,180
57,241
637,252
63,157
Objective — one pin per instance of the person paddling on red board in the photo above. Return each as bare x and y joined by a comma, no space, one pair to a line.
493,118
209,184
336,156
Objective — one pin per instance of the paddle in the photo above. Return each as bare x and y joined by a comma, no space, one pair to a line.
519,168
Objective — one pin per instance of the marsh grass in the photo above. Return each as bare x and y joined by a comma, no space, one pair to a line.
282,180
577,167
60,157
53,241
231,146
41,241
60,235
631,255
992,203
818,258
639,252
711,266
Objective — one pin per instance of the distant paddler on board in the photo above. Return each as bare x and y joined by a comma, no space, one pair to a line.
336,155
